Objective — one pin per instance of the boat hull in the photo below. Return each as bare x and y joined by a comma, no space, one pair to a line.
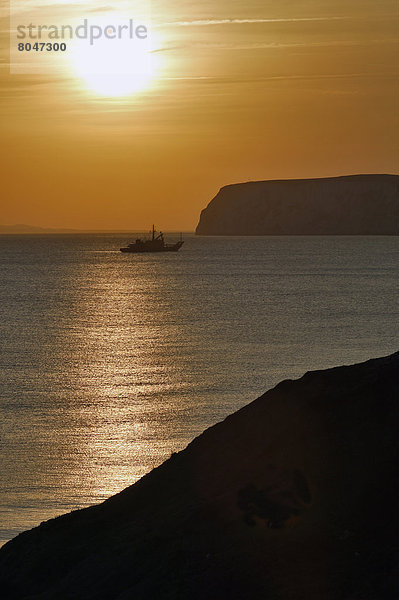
166,248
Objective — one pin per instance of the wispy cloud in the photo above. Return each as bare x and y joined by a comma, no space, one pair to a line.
299,77
208,22
277,45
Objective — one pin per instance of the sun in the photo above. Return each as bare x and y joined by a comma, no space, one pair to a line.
115,59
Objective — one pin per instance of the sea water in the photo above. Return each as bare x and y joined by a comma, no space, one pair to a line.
110,362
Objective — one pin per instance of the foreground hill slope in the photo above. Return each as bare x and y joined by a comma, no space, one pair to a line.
350,205
293,497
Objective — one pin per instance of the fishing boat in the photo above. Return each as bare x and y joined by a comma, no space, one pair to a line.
155,244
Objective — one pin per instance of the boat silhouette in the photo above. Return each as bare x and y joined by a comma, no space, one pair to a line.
155,244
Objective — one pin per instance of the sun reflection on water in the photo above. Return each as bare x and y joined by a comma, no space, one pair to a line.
124,376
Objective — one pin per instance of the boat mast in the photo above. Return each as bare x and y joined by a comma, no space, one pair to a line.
153,232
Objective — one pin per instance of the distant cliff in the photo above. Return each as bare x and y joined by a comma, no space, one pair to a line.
351,205
32,229
294,497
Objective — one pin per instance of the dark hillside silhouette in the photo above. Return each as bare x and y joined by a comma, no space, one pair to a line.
293,497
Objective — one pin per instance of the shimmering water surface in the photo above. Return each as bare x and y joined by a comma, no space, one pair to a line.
110,362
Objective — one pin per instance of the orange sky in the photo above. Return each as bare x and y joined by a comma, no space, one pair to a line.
244,90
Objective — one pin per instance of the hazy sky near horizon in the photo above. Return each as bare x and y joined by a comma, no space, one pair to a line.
243,90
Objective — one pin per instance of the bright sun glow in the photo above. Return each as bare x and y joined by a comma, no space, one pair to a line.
114,66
